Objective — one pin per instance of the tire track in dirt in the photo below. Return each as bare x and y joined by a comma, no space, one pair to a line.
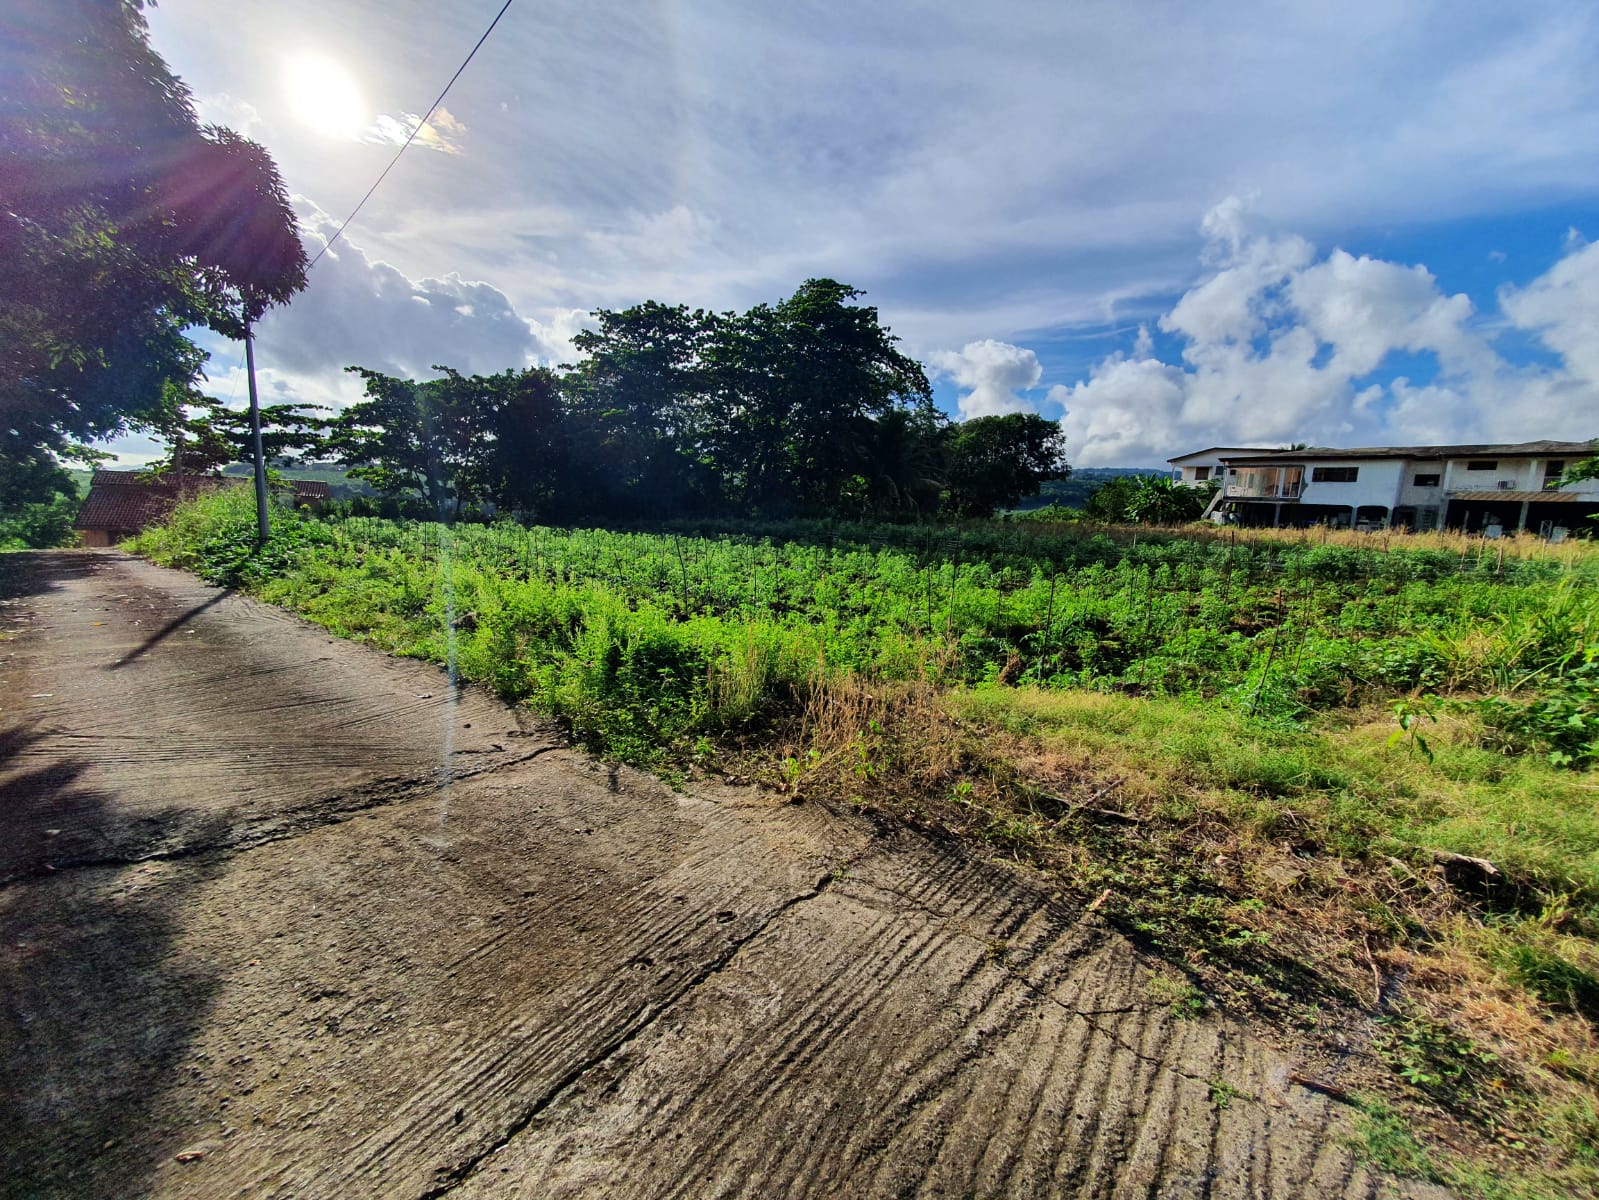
980,1089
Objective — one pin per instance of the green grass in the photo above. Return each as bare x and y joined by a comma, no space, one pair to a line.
645,640
1335,781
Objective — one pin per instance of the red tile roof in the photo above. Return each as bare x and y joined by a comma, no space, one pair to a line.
127,501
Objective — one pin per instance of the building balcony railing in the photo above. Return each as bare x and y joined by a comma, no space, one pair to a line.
1286,491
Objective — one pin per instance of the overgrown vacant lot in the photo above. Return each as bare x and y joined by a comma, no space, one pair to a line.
1343,784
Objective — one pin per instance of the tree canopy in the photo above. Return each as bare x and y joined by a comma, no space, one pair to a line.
799,408
995,461
122,224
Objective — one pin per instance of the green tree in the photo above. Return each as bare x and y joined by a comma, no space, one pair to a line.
401,440
794,390
459,441
203,435
1159,500
1110,501
518,454
907,454
637,407
122,223
1587,468
995,461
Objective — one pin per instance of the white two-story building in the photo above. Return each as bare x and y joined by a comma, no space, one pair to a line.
1479,489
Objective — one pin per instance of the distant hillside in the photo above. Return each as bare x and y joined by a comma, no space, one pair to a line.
1073,492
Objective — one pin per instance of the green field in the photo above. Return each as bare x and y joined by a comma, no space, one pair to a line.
1255,754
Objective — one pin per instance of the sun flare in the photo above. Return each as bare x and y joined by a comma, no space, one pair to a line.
325,96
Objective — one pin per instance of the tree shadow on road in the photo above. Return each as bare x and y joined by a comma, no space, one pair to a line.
98,1007
33,572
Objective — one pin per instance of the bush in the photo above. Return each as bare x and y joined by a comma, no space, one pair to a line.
1563,721
215,536
39,526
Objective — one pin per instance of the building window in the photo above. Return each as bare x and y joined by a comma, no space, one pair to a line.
1428,480
1201,473
1334,474
1483,464
1552,470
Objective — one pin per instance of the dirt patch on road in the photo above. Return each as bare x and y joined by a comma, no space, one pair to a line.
282,916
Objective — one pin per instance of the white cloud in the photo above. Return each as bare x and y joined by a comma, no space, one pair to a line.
1366,307
991,376
443,132
946,162
221,108
361,311
1278,346
1562,308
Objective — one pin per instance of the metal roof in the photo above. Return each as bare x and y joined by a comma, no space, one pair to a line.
1529,497
1209,450
130,500
1494,449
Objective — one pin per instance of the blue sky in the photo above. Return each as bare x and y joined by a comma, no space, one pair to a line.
1169,224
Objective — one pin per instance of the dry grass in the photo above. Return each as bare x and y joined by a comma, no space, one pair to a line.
1467,546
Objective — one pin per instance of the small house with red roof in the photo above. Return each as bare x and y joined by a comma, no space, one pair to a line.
122,503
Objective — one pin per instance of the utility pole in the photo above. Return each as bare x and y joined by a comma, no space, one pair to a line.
262,525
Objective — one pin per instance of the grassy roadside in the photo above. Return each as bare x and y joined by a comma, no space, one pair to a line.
1215,759
1302,875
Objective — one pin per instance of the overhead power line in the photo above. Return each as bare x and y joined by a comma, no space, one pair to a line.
418,129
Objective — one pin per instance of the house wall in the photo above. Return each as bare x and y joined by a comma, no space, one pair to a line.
1522,474
1420,497
1186,469
1377,483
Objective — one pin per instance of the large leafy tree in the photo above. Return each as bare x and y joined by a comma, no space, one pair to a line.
1161,500
800,386
907,456
637,405
401,440
122,224
203,435
995,461
459,441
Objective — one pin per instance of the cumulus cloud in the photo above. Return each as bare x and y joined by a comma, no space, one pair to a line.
1278,345
360,311
991,376
1562,308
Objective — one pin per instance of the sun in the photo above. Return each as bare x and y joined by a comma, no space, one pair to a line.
325,96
